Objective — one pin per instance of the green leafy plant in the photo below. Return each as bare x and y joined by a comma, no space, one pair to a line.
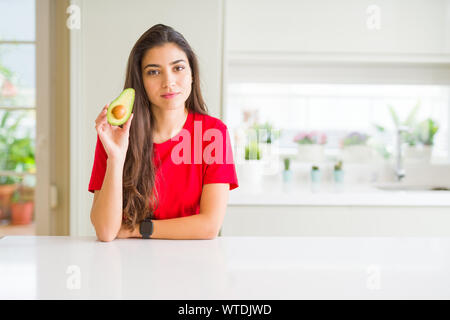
338,166
426,131
410,122
5,72
315,168
313,137
355,138
265,133
287,164
23,194
422,132
16,153
380,146
252,151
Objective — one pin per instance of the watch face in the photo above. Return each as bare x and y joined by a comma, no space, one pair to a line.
146,227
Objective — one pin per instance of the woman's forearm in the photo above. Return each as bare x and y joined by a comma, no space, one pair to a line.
197,226
106,213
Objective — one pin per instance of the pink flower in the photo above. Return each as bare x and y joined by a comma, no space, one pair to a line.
299,136
313,137
9,90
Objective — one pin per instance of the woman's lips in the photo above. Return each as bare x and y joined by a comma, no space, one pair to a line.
170,95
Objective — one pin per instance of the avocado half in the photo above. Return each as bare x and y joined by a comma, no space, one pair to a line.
119,111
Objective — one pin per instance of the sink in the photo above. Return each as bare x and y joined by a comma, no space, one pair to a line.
393,186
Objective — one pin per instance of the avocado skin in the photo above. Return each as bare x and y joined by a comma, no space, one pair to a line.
126,98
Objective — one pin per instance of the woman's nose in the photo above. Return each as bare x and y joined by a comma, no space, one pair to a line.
169,80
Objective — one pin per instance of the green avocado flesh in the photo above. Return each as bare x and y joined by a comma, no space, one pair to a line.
124,103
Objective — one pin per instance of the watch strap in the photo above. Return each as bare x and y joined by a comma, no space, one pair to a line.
146,228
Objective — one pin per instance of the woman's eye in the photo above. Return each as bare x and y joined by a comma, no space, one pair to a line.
152,72
156,72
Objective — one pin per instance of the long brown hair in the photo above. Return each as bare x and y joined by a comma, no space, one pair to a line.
140,198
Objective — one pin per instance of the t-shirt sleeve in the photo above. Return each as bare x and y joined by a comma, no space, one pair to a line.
217,171
99,167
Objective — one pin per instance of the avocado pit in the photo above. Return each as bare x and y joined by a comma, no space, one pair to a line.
119,111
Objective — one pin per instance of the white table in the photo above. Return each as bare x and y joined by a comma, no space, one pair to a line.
225,268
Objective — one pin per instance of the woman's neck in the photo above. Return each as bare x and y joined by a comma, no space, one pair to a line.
168,123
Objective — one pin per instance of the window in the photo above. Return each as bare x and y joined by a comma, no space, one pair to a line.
339,109
17,96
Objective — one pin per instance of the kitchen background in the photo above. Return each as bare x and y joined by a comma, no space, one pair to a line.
314,94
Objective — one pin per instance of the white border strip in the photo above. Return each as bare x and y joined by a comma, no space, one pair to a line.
76,117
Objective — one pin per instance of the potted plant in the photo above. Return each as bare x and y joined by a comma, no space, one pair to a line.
16,156
22,206
7,188
266,136
426,131
310,145
354,147
252,168
409,137
423,134
418,147
315,174
265,133
287,172
252,151
338,173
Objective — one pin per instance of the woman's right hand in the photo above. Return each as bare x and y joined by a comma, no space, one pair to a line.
113,138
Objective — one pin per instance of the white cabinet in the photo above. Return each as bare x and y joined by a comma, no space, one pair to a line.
241,220
389,27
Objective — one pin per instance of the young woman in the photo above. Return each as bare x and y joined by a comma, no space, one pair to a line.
141,188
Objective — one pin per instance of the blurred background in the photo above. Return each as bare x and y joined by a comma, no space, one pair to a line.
338,110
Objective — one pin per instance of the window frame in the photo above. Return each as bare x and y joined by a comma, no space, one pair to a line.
259,68
17,108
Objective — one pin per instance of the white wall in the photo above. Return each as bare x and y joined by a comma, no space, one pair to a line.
328,26
336,221
99,53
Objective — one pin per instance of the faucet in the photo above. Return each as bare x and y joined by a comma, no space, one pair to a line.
399,169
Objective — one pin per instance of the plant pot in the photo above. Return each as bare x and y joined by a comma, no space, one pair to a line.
270,158
338,176
6,192
418,154
310,152
251,172
315,176
287,176
357,153
22,213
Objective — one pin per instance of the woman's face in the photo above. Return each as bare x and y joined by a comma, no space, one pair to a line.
165,69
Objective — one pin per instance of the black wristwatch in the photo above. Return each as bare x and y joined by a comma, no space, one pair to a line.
146,228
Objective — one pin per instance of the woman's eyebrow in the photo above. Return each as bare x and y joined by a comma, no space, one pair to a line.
158,66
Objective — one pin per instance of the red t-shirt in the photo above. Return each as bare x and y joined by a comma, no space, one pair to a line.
179,181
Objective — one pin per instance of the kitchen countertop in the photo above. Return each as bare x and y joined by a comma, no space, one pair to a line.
328,194
40,267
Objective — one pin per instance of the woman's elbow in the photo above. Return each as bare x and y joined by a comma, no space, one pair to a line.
105,238
212,233
105,235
